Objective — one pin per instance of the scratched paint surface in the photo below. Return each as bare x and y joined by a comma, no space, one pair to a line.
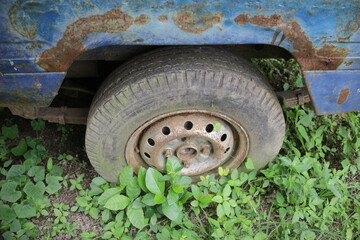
47,36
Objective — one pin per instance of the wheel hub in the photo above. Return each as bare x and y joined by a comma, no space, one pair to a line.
202,142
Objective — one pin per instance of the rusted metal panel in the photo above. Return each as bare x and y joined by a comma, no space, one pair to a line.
62,115
47,36
334,91
29,89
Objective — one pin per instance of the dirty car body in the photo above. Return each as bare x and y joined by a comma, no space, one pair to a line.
41,39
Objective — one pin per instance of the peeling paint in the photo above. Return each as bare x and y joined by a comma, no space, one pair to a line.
163,18
61,56
343,95
195,23
142,20
327,57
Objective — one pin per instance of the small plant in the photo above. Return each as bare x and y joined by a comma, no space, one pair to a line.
65,130
157,194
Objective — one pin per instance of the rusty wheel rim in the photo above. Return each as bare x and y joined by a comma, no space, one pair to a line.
201,140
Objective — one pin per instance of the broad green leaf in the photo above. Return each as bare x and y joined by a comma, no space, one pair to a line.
37,124
94,213
117,202
107,195
152,182
95,189
105,215
249,163
172,197
218,234
148,199
159,198
303,132
286,86
171,211
56,171
217,199
10,132
132,188
260,236
195,203
182,180
29,225
279,198
334,190
20,149
214,222
141,179
15,170
196,191
217,126
220,210
31,142
26,209
38,172
308,235
227,208
138,203
6,213
178,188
173,165
136,217
15,226
8,192
53,184
235,174
226,191
296,217
49,164
82,201
185,197
99,181
35,191
126,175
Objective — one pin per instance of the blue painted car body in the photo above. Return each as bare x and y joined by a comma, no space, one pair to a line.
40,39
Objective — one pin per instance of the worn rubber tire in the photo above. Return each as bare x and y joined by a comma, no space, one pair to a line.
179,78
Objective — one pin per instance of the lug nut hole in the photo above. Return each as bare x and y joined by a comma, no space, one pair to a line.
147,155
188,125
166,130
151,142
223,137
209,128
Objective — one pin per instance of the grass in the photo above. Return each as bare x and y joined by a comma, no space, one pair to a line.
310,191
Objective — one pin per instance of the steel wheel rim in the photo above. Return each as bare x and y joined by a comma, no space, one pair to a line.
201,140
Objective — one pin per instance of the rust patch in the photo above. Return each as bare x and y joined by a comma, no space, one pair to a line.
70,46
142,20
327,57
196,23
349,63
343,95
33,3
163,18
